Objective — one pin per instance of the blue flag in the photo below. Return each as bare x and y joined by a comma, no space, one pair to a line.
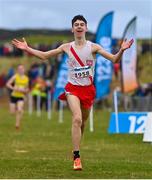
62,78
103,68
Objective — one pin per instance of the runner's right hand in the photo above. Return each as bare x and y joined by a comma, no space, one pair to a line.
20,44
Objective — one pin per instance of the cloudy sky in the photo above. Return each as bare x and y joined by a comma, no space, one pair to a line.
57,14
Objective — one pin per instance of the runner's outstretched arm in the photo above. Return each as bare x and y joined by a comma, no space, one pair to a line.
40,54
115,58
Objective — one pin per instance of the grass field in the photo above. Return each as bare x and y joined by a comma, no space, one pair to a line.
42,149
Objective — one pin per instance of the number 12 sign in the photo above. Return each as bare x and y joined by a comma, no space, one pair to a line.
128,122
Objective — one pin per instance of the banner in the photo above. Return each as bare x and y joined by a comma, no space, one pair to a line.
128,122
62,78
148,129
103,68
129,60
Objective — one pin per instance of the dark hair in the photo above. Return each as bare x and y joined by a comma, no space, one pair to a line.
78,17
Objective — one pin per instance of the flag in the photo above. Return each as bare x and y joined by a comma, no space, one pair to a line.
103,68
62,78
129,59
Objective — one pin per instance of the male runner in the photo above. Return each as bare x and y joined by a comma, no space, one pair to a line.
80,91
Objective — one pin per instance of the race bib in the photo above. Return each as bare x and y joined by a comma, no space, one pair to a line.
82,72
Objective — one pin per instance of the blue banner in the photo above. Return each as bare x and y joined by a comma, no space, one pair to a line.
62,78
128,122
103,69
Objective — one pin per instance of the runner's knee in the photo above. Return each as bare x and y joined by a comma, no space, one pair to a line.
12,111
20,110
77,121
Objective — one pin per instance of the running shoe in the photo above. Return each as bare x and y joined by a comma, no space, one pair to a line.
77,164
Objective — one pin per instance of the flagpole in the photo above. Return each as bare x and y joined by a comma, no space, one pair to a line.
49,105
30,103
60,112
116,111
91,120
38,105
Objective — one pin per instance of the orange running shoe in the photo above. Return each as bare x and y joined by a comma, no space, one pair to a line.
77,164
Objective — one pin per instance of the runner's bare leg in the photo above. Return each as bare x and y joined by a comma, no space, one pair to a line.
85,115
12,107
19,113
74,105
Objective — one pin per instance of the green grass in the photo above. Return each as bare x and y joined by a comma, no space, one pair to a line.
42,149
6,63
47,40
40,38
144,68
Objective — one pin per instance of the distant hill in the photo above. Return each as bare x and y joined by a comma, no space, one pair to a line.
7,35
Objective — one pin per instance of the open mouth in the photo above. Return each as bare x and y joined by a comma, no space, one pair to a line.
79,31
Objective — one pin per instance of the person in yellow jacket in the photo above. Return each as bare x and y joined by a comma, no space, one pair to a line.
39,89
19,84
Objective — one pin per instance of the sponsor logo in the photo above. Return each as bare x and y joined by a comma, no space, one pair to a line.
89,62
105,42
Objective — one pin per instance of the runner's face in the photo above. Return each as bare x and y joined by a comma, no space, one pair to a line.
79,28
21,69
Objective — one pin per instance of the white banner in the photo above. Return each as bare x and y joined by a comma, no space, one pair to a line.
129,60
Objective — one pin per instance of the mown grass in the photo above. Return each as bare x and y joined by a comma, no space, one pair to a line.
42,149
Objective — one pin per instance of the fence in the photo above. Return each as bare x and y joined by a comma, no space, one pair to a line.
134,103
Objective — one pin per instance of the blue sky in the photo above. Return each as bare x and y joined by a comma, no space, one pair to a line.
57,14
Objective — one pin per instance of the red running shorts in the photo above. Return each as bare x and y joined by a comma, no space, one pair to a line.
86,94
